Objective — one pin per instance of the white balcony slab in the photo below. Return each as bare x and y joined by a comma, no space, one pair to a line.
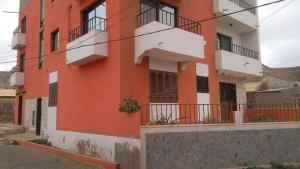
82,51
241,22
18,40
237,65
173,45
17,79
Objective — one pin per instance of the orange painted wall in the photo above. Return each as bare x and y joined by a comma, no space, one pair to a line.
88,96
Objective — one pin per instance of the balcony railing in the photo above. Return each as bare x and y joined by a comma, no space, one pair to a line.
18,30
178,114
169,19
95,23
13,70
227,46
245,5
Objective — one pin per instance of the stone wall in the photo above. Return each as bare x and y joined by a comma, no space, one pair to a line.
287,96
219,146
7,109
30,114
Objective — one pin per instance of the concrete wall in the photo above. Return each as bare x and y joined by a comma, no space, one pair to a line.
30,114
219,146
4,79
7,109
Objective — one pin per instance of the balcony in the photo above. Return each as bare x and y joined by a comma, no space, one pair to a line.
242,22
238,61
19,39
82,48
16,78
181,40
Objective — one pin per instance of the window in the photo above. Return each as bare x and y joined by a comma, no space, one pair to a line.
23,25
163,87
53,94
224,42
94,17
164,13
41,50
202,84
22,63
42,12
55,40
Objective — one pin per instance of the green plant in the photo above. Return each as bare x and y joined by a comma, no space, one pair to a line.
280,166
129,105
163,121
263,117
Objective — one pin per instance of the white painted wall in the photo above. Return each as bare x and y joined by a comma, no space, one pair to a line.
203,99
68,140
18,40
251,40
17,79
168,111
87,54
175,44
163,65
53,77
226,6
237,65
202,70
226,30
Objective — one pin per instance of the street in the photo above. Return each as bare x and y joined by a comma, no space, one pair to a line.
18,157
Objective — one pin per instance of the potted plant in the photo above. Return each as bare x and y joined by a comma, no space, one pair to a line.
129,105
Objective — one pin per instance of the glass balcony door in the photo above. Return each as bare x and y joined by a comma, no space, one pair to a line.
94,17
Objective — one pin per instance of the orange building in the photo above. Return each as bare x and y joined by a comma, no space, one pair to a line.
78,59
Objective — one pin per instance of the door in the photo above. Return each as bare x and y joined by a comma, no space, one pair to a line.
224,42
93,17
157,11
20,105
38,116
228,101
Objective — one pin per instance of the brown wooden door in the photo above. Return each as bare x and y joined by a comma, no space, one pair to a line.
38,116
20,105
228,100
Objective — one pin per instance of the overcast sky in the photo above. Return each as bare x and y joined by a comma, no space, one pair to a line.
279,34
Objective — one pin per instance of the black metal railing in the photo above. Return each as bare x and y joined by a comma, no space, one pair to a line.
95,23
227,46
169,114
245,5
169,19
13,70
180,114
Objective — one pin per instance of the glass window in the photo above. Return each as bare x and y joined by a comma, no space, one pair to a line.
22,63
42,12
41,50
53,94
202,84
94,17
55,40
160,12
224,42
